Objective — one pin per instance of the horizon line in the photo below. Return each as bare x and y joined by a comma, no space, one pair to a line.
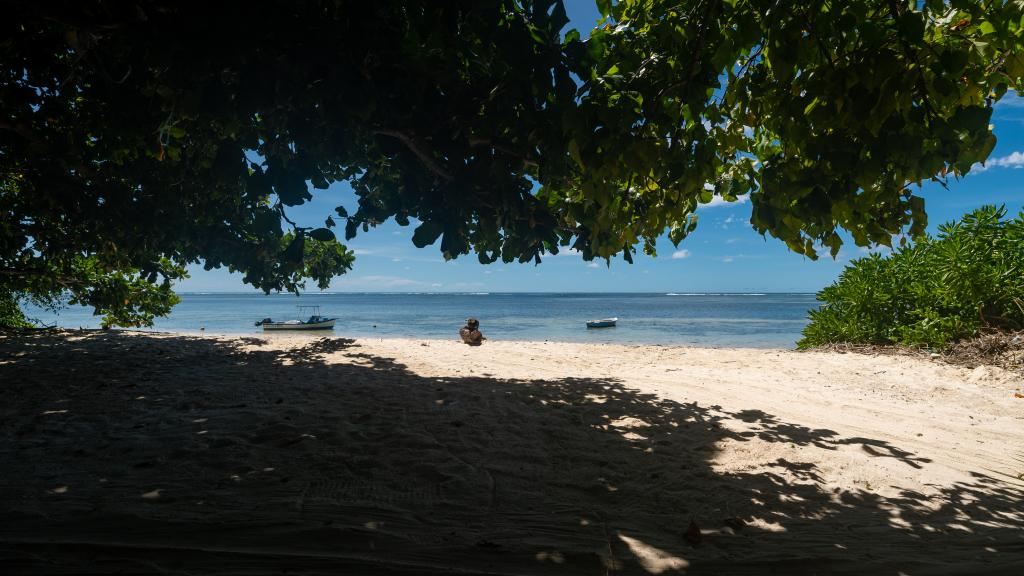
482,292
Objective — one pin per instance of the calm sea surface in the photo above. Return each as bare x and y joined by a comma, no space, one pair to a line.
754,320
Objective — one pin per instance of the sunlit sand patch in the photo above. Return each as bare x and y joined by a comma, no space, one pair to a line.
654,560
629,422
553,556
766,525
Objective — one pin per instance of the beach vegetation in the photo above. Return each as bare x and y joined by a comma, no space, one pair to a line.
966,279
11,315
137,140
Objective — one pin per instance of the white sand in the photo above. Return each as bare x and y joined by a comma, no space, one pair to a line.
174,454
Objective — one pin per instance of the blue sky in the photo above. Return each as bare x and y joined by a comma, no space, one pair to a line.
723,255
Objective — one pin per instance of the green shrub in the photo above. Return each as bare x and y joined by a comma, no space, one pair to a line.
941,289
10,312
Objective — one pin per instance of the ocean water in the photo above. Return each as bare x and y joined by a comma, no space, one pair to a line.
733,320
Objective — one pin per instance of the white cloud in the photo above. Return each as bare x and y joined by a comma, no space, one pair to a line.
376,282
361,251
734,257
1012,160
396,259
568,252
680,254
593,265
883,250
732,240
719,201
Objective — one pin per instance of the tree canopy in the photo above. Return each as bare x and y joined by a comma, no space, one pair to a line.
137,138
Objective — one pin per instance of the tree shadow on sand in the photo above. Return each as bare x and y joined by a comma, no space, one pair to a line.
174,454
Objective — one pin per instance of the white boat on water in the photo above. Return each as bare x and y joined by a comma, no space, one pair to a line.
602,323
315,321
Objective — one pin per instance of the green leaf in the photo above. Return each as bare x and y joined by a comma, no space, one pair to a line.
257,186
426,234
293,253
351,228
911,26
321,234
291,188
574,151
319,182
971,118
229,164
810,107
558,16
267,222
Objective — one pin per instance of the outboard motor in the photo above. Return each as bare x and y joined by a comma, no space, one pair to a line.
264,321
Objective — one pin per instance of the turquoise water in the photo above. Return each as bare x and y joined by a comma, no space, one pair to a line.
754,320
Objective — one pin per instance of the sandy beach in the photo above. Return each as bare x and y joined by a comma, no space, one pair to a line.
162,453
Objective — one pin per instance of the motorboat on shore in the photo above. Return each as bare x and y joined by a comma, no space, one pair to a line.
602,323
314,322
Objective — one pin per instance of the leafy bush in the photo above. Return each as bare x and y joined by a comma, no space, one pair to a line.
10,312
970,277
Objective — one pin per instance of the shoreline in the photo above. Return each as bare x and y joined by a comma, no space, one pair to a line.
512,457
721,321
316,334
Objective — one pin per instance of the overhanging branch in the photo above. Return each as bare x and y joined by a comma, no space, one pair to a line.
417,149
483,142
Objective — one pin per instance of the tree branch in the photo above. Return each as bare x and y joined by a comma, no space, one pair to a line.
415,147
65,281
20,129
484,142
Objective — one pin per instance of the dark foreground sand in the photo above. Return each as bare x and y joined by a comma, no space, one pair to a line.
147,453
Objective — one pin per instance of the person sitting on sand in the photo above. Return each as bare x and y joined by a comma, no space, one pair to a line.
470,333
